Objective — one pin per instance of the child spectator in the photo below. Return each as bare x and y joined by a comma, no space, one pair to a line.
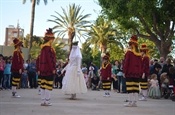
95,83
59,77
164,83
85,72
24,79
154,91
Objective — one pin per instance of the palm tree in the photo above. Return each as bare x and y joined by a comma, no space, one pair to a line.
72,22
101,34
61,53
34,2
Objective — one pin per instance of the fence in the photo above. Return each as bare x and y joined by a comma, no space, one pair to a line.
8,51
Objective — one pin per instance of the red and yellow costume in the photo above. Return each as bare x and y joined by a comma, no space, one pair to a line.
145,67
17,63
46,67
105,73
47,62
132,67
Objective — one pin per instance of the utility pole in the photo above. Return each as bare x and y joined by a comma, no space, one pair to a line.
18,28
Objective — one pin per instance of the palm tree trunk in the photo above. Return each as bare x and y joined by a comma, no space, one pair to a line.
71,35
32,24
103,48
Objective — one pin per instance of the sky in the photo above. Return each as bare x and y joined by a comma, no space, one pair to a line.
14,11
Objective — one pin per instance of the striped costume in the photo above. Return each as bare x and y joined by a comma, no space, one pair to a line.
132,70
145,70
47,64
17,64
105,74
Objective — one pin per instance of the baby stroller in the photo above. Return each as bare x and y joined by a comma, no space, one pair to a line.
169,93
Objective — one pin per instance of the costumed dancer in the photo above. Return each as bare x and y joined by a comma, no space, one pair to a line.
73,81
132,69
105,74
17,65
47,67
145,70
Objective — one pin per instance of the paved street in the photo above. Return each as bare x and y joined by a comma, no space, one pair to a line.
91,103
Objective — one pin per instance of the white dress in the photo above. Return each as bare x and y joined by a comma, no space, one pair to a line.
154,90
73,81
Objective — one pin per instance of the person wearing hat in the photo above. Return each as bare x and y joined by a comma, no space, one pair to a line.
73,81
105,75
145,70
132,70
17,65
47,67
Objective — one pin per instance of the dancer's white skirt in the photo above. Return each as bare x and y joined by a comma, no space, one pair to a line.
74,82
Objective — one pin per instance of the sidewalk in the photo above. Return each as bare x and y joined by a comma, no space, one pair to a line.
91,103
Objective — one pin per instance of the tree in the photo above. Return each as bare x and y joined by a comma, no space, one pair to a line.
72,22
59,49
86,53
36,48
116,53
152,48
26,41
33,18
102,33
153,20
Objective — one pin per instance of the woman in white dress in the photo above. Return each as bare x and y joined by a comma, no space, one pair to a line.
73,81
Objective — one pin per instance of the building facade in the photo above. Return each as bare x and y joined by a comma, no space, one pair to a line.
12,32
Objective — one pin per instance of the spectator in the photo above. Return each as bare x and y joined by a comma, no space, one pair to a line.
24,79
59,77
90,75
7,74
115,70
2,65
166,69
31,69
154,90
156,70
85,72
26,64
95,83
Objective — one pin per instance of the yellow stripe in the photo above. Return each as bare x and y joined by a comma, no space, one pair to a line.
107,83
132,83
16,79
132,88
47,82
144,87
106,86
143,83
14,83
